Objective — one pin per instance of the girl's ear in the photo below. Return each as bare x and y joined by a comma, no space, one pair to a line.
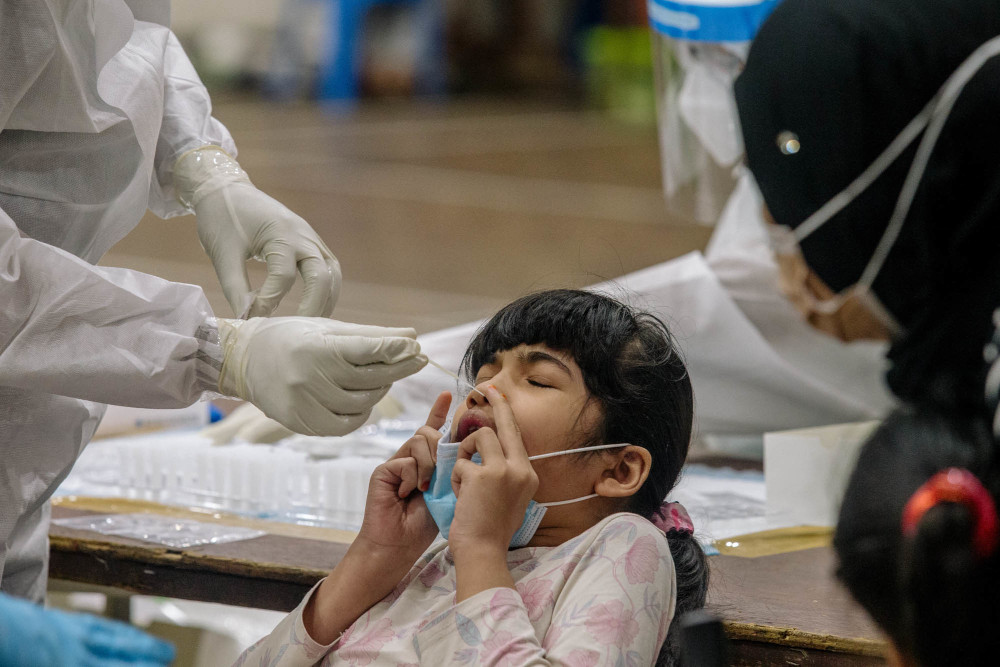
626,473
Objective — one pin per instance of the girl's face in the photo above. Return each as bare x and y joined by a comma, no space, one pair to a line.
551,404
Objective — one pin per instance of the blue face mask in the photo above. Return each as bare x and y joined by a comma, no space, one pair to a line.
440,498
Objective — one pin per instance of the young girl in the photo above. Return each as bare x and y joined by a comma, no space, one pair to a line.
568,558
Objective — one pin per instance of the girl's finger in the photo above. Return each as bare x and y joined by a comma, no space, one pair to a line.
406,471
439,411
404,451
422,449
461,469
435,420
507,429
485,442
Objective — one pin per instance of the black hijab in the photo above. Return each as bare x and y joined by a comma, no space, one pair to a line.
846,76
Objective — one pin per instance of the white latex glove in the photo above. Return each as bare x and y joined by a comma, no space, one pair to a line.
314,375
236,222
248,424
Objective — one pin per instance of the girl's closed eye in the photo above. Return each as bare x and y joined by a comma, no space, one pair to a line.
543,383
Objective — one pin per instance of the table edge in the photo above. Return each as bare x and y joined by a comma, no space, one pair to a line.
796,638
185,560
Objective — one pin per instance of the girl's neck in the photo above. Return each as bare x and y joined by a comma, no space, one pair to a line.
561,524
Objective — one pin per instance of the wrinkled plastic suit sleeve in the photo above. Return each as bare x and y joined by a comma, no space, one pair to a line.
187,124
100,334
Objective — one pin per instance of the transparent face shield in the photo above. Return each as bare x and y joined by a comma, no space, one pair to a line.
786,242
699,48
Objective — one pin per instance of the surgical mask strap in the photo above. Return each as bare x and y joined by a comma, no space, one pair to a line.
867,177
567,502
571,451
949,94
578,449
933,116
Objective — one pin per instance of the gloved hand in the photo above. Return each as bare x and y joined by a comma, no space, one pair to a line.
246,424
314,375
236,221
32,636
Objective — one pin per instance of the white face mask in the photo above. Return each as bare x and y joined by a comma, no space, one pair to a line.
706,101
440,498
930,121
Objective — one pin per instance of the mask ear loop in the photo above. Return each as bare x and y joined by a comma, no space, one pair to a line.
898,145
944,103
868,176
785,240
933,117
578,449
557,503
573,451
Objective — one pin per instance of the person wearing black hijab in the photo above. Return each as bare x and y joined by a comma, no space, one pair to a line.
872,128
828,86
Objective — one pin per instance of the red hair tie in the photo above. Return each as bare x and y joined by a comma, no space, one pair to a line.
957,485
673,516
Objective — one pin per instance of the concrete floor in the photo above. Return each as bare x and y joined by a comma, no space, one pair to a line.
440,214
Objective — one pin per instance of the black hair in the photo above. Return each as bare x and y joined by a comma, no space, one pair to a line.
632,368
930,592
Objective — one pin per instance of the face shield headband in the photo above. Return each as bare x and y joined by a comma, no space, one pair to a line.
930,121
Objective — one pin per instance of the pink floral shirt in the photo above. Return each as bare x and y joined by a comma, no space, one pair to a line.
606,597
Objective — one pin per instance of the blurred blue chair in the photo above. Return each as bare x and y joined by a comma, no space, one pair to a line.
341,66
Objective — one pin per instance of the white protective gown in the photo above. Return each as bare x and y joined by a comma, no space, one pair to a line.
97,100
756,365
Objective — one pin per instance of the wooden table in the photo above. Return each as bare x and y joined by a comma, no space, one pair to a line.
788,609
779,610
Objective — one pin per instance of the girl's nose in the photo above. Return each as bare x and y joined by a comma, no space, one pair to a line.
477,396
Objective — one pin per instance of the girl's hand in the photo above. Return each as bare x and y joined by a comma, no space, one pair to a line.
397,528
492,497
396,517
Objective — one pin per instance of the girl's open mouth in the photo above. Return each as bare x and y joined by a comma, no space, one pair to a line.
472,421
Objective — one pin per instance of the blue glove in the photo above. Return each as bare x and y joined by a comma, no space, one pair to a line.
32,636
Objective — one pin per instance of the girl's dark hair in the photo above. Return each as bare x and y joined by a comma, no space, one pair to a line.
929,592
632,368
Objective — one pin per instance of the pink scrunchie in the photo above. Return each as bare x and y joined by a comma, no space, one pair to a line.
673,516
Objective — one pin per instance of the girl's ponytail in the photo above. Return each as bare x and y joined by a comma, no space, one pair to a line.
691,567
948,570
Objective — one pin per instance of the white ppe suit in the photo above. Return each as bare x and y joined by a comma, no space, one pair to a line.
97,100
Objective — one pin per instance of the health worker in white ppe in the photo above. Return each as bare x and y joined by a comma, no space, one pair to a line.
101,117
